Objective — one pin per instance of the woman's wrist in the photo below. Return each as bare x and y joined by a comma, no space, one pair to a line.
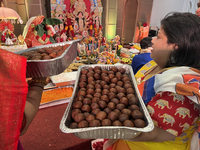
38,82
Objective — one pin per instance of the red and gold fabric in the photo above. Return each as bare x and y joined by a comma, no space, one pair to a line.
13,91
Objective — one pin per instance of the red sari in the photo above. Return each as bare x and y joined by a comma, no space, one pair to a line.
13,91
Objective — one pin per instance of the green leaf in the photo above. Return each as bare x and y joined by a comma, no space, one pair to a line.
52,40
40,30
52,21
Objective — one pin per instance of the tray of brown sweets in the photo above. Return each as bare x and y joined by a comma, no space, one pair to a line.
51,59
106,104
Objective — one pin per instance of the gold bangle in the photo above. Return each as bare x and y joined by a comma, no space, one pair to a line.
34,80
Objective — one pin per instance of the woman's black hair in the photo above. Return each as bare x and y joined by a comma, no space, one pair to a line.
183,30
146,42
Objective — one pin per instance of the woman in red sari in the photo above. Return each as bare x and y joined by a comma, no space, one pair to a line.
19,101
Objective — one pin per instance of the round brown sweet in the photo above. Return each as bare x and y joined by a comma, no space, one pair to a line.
98,86
98,71
136,114
106,87
125,79
124,101
128,82
89,96
105,92
121,90
98,90
114,80
122,70
120,95
134,107
82,84
86,114
77,105
93,82
84,71
104,71
103,83
139,123
106,122
111,76
87,101
90,118
74,125
97,76
133,101
104,75
82,89
112,85
126,111
90,69
123,117
97,95
90,91
102,104
90,79
113,90
95,123
107,79
114,69
130,91
94,106
120,83
79,98
111,72
95,111
118,73
113,116
85,108
101,115
84,75
105,98
79,117
111,105
98,82
83,124
111,95
107,110
83,79
124,75
97,67
127,85
128,123
82,93
119,77
89,74
118,112
130,95
120,106
115,100
95,100
74,112
117,123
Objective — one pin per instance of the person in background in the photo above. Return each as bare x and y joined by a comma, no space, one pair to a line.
144,57
198,9
170,89
19,101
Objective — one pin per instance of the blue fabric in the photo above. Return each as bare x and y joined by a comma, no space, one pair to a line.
140,60
149,91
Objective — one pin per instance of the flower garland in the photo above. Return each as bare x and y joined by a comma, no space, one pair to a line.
12,36
45,38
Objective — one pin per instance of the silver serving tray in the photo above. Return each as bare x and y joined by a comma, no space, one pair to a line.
46,68
106,132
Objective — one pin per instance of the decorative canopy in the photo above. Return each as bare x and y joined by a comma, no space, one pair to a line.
8,13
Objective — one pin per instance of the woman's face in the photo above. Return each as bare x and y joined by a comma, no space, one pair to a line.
198,11
161,49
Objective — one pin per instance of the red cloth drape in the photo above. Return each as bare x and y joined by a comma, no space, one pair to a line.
13,92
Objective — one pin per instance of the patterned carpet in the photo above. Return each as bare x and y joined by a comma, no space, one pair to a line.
44,132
